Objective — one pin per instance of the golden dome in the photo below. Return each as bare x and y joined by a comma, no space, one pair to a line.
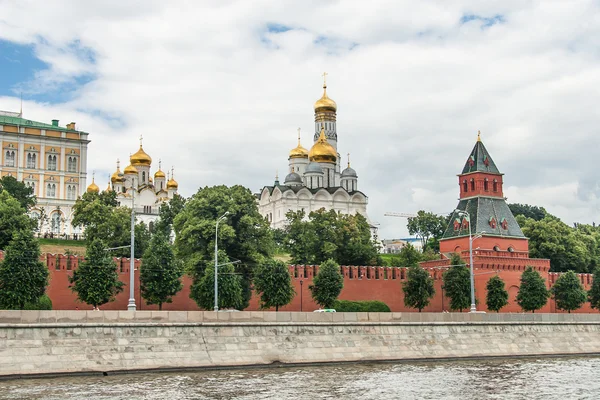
299,151
322,151
130,169
159,174
172,184
108,188
93,188
140,158
325,103
117,176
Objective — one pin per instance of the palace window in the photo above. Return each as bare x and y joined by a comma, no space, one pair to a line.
51,190
71,192
72,164
9,159
51,162
31,160
55,223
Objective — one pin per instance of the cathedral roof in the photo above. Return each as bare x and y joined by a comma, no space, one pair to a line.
479,160
296,189
489,215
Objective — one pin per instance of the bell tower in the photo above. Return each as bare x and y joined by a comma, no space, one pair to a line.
325,116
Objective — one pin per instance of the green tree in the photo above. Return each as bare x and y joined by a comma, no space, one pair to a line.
230,287
160,273
568,292
534,212
23,277
12,219
167,213
497,296
21,192
327,284
418,288
407,257
96,280
273,282
427,226
533,294
594,293
301,239
457,284
43,303
244,234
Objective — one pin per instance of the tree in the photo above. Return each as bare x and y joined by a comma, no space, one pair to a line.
533,294
328,284
594,293
534,212
230,287
12,219
427,226
160,273
457,284
497,296
96,280
418,288
407,257
273,282
23,277
568,292
244,234
21,192
167,213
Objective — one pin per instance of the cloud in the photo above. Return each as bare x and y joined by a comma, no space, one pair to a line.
218,89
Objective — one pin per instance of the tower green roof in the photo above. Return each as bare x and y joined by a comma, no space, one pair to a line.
479,160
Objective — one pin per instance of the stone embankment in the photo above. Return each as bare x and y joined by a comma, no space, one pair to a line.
55,342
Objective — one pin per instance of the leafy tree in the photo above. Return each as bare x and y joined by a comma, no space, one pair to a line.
594,293
427,226
533,294
23,277
418,288
407,257
327,284
43,303
243,235
21,192
568,292
160,273
497,296
273,282
12,218
534,212
167,213
96,280
230,287
457,284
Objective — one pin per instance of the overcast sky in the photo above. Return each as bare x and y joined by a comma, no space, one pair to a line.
219,88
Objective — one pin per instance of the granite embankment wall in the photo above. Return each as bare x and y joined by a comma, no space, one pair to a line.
51,342
360,283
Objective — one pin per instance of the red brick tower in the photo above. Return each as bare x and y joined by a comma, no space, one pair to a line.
482,199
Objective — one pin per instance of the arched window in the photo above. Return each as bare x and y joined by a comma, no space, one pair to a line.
51,163
55,223
143,177
465,186
495,185
510,249
72,164
496,248
10,158
485,185
472,185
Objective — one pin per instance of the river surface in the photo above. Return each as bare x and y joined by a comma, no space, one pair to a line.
543,378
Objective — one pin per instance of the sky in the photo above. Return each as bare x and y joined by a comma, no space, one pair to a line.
218,89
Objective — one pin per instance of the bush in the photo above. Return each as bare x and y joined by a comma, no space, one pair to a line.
360,306
43,303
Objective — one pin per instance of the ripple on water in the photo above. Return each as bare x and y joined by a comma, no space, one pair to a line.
545,378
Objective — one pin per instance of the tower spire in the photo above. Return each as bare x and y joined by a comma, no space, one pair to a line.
118,164
479,136
141,138
324,80
298,136
159,164
348,160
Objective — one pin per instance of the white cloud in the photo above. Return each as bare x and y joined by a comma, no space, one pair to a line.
218,96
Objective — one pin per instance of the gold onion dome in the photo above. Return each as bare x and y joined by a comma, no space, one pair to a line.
140,157
325,103
159,174
172,184
130,169
117,176
299,151
322,151
93,188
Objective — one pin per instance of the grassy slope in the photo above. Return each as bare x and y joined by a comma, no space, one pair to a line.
60,246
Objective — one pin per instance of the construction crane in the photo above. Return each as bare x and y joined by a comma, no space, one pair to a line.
400,215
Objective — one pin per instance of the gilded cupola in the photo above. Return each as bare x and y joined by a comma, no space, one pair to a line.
117,176
172,183
140,157
325,103
93,188
130,170
322,151
159,173
299,151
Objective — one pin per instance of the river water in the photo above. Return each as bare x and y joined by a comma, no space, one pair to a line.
543,378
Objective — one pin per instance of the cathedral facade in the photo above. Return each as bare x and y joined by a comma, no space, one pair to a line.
135,188
315,179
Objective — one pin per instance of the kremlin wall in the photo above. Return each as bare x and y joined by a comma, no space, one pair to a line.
360,283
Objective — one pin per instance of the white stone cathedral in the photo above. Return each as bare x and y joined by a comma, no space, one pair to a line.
315,179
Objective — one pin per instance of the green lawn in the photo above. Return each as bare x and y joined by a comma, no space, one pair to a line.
59,242
61,246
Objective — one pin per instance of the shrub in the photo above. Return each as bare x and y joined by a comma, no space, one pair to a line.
360,306
43,303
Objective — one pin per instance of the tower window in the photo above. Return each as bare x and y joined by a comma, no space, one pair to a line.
495,185
465,186
472,185
485,185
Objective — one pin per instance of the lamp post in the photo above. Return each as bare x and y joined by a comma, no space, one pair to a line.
216,260
131,304
301,282
473,307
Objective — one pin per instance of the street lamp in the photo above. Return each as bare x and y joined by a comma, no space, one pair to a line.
131,304
471,238
216,260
